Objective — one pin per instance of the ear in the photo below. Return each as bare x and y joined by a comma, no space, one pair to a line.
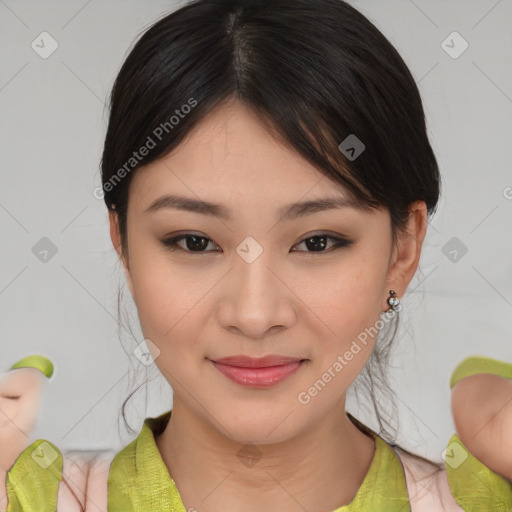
115,236
407,251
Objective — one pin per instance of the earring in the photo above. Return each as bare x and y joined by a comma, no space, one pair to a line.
393,300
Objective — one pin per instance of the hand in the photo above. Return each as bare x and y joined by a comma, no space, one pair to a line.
20,394
482,411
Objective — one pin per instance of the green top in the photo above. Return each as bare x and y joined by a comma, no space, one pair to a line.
138,479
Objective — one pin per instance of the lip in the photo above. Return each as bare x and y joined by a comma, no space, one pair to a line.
257,362
260,372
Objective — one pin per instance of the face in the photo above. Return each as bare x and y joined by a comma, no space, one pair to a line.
255,281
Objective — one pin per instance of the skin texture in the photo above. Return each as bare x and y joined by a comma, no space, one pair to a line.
290,301
482,411
20,394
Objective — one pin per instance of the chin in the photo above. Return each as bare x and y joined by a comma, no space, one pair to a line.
253,425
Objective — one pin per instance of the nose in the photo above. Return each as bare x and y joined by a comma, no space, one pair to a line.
257,298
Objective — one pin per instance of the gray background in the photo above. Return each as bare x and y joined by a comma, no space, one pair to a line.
52,124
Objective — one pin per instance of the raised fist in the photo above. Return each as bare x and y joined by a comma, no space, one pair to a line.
20,393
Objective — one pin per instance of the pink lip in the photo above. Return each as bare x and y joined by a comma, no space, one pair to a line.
257,372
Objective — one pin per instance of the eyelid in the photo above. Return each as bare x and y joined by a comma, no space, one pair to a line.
339,241
171,241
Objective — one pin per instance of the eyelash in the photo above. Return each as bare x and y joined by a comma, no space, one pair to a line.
172,243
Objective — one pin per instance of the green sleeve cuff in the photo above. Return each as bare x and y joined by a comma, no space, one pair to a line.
41,363
479,364
33,481
475,487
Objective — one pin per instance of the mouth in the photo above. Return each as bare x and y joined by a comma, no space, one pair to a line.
261,372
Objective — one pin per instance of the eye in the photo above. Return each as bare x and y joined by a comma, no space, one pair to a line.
198,243
193,242
318,243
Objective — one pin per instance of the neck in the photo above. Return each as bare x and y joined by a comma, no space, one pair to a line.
319,469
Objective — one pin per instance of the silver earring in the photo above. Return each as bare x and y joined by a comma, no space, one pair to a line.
393,300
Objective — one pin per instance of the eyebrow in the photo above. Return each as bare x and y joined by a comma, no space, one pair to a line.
287,212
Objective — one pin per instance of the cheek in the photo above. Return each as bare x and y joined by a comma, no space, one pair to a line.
166,318
162,298
349,305
350,294
170,300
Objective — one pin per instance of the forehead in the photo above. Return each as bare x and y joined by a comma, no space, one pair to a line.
232,152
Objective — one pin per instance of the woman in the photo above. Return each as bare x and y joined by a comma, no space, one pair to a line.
269,179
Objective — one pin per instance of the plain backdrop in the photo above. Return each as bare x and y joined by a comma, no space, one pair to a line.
52,125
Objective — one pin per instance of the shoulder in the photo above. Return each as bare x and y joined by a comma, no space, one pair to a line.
474,485
75,481
93,481
462,483
34,478
427,485
84,483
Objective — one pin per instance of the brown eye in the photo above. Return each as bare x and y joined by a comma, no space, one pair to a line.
317,243
193,242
